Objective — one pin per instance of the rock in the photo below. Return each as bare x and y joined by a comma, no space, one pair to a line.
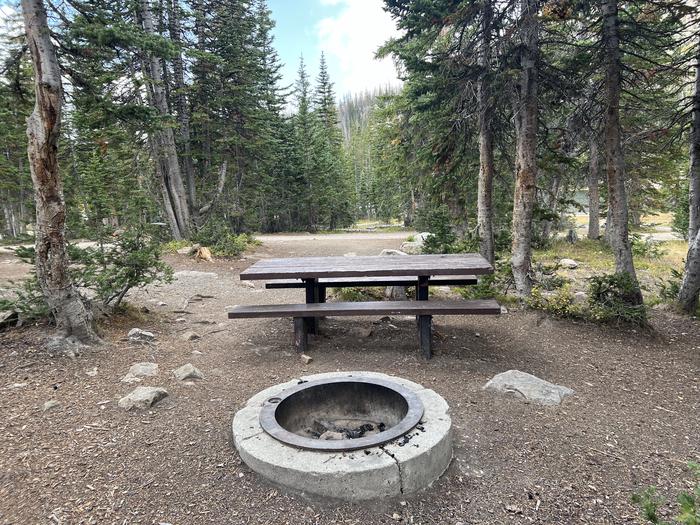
196,352
161,303
17,385
306,359
569,264
187,371
249,284
386,252
51,403
92,372
180,320
412,247
580,298
394,293
141,336
143,397
193,274
528,387
189,335
185,251
68,346
504,310
139,370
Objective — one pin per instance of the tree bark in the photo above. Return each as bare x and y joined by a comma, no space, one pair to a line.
593,189
617,219
526,150
71,311
181,106
694,173
163,142
486,163
690,286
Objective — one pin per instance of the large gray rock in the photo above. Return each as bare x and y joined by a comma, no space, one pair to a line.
394,293
528,387
415,247
143,397
569,264
139,370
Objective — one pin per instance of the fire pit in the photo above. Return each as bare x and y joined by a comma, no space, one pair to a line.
341,413
354,435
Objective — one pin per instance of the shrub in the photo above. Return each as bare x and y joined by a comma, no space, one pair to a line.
689,503
495,285
646,247
439,224
611,299
222,241
107,271
173,246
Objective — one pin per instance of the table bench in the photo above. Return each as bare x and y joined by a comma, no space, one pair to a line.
315,274
423,309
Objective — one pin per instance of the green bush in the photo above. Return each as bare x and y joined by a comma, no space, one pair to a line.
611,298
646,247
108,270
495,285
689,503
173,246
222,241
438,223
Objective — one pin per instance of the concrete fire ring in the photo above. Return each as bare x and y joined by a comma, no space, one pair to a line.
407,464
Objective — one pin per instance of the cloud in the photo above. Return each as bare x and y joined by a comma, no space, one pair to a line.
350,40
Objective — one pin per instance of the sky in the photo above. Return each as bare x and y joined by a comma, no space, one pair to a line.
347,31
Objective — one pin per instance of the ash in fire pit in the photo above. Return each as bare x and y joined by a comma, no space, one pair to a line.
343,429
341,414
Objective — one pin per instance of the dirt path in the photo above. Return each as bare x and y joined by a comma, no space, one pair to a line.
632,422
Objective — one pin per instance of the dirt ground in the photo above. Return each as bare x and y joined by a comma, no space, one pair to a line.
633,422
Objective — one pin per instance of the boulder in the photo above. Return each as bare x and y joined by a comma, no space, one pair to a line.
569,264
141,336
528,387
412,247
187,371
184,251
143,397
306,359
394,293
139,370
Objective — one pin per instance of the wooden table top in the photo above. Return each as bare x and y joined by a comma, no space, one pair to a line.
358,266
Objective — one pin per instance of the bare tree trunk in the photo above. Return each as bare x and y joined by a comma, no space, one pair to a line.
181,105
593,189
163,138
694,173
617,220
688,295
486,164
43,127
526,150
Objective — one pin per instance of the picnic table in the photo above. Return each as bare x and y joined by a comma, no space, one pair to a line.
315,274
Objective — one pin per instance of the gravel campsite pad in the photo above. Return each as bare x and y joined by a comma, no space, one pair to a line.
69,453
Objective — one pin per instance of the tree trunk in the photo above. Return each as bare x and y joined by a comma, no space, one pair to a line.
43,127
688,295
593,189
486,164
183,115
163,138
694,173
526,150
617,220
